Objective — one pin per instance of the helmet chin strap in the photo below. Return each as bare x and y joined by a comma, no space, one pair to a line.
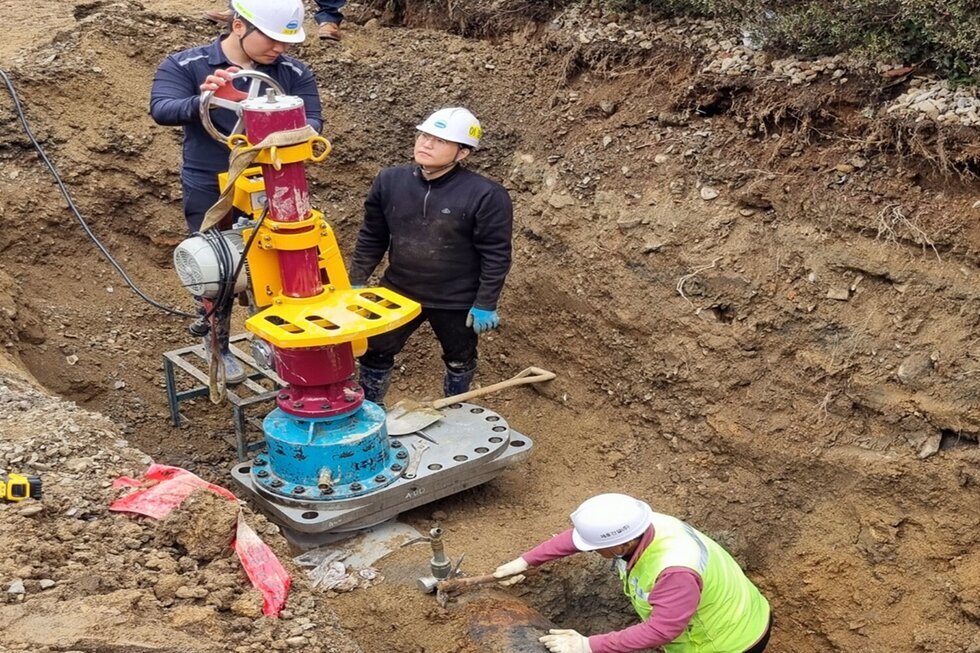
431,171
427,172
249,28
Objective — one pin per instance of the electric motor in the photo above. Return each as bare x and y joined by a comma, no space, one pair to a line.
203,263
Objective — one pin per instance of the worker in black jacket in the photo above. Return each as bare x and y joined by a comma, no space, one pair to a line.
447,233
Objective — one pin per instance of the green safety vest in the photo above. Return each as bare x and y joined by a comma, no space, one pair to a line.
732,614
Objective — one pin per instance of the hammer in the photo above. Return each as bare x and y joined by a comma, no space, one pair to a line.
445,589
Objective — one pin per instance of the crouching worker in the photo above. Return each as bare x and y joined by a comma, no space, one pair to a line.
690,593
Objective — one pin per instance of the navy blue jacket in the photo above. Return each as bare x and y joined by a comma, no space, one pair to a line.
175,100
448,240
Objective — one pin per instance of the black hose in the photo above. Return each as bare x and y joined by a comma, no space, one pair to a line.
227,278
251,239
74,209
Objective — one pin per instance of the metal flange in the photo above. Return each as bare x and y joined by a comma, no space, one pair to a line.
470,445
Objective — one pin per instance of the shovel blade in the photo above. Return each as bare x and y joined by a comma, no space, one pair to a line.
409,416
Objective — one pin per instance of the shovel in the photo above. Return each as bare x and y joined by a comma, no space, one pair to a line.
408,416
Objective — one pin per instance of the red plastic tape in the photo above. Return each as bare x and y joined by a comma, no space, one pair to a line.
263,569
163,489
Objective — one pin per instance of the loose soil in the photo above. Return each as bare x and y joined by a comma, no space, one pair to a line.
760,300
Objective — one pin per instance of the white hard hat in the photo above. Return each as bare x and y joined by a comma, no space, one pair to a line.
280,20
609,520
455,124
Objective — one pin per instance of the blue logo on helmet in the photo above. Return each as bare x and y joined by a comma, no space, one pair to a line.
441,124
292,25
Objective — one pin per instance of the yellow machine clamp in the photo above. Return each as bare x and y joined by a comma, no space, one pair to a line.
276,156
292,236
340,313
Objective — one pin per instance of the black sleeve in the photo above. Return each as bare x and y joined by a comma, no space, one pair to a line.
492,239
373,238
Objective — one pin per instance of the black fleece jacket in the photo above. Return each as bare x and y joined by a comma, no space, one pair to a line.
448,240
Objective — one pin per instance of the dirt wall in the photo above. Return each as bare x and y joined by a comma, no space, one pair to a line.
763,315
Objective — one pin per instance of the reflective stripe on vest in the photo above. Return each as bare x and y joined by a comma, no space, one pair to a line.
731,615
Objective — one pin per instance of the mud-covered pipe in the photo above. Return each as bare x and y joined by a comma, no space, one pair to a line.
501,622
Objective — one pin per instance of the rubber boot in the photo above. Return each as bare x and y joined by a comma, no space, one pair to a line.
455,383
234,371
375,383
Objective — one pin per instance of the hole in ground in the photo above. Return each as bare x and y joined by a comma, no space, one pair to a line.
582,592
954,439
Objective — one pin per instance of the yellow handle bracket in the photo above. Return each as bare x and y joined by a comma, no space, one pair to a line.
276,156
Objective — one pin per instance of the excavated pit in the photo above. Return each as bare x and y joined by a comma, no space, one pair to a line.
582,593
790,366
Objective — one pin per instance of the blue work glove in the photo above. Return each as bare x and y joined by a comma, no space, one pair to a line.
482,320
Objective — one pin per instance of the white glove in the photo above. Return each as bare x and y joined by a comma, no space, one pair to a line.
565,641
514,569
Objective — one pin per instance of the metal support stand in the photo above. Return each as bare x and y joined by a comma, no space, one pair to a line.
194,362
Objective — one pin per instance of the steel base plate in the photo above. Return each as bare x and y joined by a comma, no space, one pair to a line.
470,445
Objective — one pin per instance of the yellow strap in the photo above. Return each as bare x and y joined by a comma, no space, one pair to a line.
242,157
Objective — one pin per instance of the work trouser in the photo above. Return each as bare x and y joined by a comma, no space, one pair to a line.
458,341
329,11
199,196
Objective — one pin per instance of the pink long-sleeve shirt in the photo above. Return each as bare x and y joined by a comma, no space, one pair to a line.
674,598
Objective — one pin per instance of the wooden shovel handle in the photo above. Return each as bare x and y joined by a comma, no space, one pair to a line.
456,584
527,375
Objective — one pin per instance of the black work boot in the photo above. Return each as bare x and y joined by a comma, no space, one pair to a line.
455,383
375,383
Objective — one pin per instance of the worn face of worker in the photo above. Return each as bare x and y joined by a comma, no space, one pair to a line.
432,152
257,46
619,551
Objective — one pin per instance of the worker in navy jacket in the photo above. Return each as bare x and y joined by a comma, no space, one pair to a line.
260,33
447,232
